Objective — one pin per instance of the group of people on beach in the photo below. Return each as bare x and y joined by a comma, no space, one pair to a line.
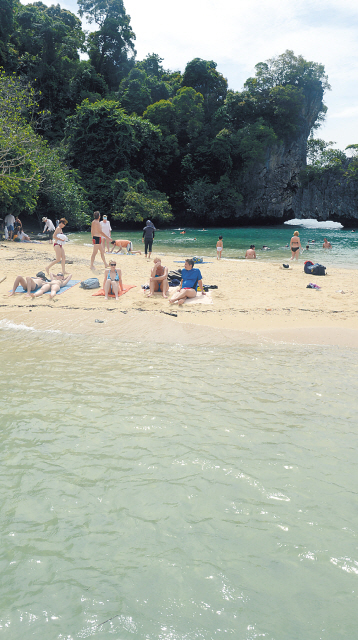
112,284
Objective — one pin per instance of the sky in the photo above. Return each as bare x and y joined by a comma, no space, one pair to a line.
237,34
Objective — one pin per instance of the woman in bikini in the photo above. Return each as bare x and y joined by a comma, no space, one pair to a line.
58,245
295,245
112,282
57,282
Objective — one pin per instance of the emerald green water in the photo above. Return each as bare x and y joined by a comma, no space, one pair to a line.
344,252
175,493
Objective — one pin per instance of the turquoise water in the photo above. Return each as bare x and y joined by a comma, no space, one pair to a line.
197,242
177,493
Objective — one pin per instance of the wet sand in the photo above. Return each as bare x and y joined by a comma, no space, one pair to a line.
255,301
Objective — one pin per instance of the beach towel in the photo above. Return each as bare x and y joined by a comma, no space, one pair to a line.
126,288
199,299
70,284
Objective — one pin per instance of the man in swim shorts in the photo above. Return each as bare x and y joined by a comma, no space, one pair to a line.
191,278
28,283
97,235
158,279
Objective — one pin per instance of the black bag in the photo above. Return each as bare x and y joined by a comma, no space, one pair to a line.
174,275
318,270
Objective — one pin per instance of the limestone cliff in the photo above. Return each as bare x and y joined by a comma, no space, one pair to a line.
331,196
273,192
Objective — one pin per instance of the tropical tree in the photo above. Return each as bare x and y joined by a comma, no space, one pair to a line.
203,76
111,48
47,41
31,172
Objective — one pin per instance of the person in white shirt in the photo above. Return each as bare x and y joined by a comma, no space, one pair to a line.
49,228
9,224
106,228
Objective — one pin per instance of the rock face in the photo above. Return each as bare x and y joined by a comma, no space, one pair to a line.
272,190
331,197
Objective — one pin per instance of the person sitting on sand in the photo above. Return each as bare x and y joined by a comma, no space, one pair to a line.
295,245
28,283
112,282
251,253
158,279
326,244
23,237
191,278
57,282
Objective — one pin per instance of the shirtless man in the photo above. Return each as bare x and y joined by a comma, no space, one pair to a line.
326,244
57,282
158,279
28,283
251,253
97,235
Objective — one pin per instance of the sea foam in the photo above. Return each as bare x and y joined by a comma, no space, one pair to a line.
7,324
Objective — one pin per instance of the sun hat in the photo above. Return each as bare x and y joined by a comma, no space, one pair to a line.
44,219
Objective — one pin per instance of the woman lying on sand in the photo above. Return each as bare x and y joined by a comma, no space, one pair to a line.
28,283
57,282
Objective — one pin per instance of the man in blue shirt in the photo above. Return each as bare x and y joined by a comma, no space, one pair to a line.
191,278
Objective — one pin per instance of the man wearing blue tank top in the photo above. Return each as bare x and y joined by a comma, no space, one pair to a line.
191,278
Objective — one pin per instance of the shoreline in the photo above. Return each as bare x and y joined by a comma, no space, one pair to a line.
255,302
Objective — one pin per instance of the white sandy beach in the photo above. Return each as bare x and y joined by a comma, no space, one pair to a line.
254,301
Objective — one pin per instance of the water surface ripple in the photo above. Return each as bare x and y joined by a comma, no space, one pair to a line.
177,493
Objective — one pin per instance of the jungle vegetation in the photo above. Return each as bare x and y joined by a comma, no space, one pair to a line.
127,136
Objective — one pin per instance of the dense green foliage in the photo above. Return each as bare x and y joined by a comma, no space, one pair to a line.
324,159
32,175
129,137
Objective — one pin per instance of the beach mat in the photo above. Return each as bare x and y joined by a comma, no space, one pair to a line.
71,284
126,288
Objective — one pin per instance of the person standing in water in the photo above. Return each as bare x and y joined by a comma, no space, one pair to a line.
148,237
219,248
97,235
295,245
326,244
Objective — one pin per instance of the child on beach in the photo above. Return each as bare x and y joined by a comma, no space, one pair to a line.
219,248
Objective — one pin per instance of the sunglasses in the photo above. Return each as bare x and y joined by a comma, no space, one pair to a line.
112,264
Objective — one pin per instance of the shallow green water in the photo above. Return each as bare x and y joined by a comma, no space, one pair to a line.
176,493
197,242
